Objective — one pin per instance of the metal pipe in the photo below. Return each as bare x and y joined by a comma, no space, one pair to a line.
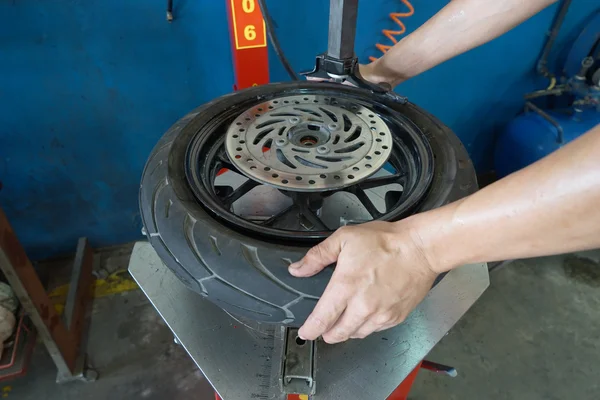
586,64
342,28
560,135
542,65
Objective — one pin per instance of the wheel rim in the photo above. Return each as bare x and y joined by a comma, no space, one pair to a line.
410,166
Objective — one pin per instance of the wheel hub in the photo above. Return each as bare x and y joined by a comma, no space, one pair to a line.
308,143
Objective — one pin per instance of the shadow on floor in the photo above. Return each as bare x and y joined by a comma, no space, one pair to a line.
534,334
134,353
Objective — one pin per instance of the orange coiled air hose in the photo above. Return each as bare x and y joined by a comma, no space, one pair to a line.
390,34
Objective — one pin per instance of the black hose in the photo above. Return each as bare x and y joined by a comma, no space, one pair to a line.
542,65
275,42
169,10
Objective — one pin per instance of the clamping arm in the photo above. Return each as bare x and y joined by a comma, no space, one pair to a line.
340,64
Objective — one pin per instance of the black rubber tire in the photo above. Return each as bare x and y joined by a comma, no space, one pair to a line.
244,275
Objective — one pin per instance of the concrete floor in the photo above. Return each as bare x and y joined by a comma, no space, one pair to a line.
534,334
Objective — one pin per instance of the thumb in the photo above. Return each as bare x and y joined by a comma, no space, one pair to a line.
317,258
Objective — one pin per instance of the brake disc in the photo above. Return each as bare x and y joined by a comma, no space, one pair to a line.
308,143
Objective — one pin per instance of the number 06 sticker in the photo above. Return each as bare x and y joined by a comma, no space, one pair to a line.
248,25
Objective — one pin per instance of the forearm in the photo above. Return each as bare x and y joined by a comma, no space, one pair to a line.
460,26
550,207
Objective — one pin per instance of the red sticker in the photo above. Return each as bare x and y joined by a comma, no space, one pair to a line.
248,25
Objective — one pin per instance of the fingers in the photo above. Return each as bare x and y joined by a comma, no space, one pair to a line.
352,319
327,311
376,323
317,258
365,330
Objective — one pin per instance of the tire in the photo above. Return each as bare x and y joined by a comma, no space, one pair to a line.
245,275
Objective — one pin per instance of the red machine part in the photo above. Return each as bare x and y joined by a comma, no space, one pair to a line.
248,43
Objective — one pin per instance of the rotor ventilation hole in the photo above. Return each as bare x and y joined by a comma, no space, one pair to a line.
308,142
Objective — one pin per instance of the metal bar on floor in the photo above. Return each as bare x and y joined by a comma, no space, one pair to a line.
64,340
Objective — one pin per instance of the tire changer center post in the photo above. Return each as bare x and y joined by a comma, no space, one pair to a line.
313,143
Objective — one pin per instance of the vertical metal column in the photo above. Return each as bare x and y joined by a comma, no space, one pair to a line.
342,28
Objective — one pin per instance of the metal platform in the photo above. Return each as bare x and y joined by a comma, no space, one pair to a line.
243,363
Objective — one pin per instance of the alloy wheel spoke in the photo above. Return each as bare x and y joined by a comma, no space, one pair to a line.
243,189
381,181
366,202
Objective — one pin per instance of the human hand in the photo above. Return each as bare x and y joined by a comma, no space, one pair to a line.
382,273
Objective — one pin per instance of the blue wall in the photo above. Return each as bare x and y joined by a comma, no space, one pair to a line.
88,87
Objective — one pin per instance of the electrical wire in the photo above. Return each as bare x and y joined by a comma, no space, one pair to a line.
275,42
391,34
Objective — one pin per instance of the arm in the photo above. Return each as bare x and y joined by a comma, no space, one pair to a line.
550,207
385,269
459,27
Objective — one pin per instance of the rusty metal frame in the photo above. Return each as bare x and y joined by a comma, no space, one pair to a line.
63,337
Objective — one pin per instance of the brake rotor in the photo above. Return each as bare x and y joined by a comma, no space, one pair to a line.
308,143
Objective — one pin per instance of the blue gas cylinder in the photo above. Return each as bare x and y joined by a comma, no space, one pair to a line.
531,136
